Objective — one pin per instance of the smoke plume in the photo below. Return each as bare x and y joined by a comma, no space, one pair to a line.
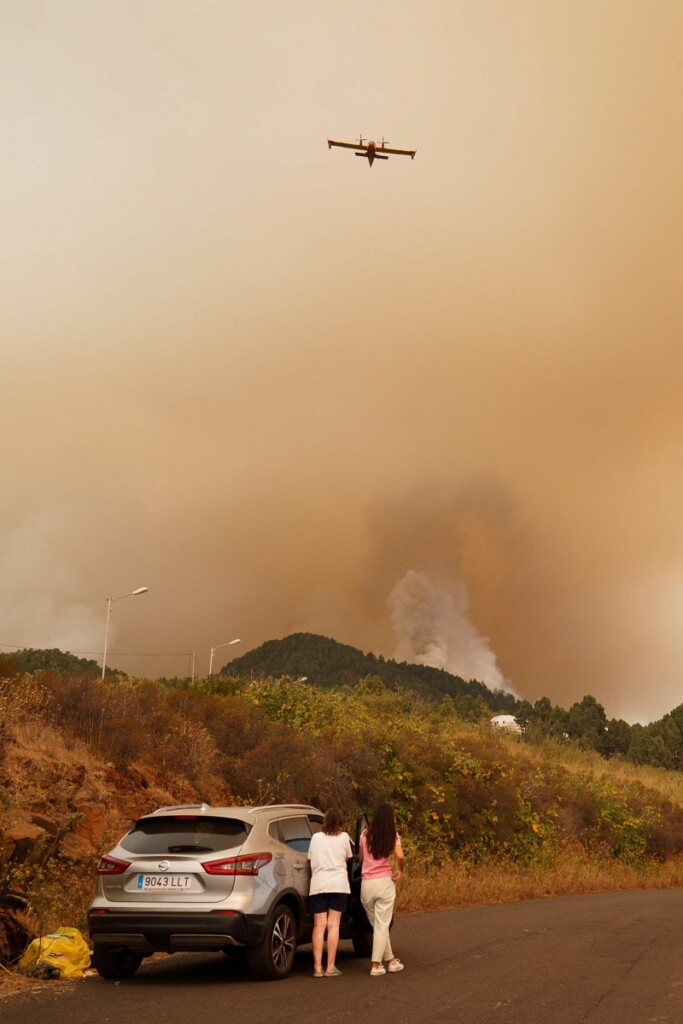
432,627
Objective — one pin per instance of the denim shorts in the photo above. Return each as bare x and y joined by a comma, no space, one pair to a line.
321,902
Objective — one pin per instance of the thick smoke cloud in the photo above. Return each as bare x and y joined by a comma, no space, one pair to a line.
39,590
275,385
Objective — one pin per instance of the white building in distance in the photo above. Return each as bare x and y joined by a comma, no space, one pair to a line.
508,722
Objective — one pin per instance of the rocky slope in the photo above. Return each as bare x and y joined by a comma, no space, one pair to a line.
59,810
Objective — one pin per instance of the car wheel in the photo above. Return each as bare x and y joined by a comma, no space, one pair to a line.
272,959
362,943
115,964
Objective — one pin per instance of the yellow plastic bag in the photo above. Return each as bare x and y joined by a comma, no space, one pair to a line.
63,954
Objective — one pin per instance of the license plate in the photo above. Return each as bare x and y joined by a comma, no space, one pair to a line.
170,883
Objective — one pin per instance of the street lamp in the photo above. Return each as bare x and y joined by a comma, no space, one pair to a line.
110,601
228,643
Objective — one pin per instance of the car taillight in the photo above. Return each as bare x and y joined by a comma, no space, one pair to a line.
112,866
249,864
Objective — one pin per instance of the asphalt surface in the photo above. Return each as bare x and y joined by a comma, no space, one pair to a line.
598,959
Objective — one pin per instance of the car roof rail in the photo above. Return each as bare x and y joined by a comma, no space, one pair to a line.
183,807
288,807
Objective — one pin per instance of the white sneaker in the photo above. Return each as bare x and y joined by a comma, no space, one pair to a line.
395,965
376,971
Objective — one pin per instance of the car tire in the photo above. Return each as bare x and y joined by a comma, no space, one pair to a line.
272,959
115,965
362,943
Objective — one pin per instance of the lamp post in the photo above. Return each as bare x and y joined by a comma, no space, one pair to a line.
228,643
110,601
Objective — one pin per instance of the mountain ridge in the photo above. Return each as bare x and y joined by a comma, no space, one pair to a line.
327,663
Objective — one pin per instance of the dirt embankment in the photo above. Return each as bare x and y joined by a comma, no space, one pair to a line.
59,810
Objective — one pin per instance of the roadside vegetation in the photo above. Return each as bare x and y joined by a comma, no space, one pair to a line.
485,816
327,664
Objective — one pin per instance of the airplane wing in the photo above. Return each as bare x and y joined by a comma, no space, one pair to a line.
397,152
345,145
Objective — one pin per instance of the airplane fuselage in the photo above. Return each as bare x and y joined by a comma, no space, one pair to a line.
371,153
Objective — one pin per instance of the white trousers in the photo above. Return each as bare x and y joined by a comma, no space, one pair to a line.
378,896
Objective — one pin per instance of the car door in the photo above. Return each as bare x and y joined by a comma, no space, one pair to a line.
356,914
295,833
355,868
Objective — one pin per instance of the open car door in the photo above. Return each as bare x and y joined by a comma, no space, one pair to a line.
362,931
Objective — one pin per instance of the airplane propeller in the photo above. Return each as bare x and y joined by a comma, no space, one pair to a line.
385,142
361,140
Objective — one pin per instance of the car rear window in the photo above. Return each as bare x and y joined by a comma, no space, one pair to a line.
185,835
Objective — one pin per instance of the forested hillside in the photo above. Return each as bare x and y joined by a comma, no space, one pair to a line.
327,663
31,660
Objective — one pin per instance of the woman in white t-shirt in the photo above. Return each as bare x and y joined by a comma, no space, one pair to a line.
329,893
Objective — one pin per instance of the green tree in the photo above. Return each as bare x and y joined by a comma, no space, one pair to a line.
587,724
618,737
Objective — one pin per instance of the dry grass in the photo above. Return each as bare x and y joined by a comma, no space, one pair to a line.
39,757
457,885
12,983
574,759
668,783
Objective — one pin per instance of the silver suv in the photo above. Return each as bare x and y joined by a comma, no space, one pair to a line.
195,877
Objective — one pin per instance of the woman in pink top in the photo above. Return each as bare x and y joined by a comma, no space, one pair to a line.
378,889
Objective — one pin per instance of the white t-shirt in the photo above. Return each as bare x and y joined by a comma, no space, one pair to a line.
328,856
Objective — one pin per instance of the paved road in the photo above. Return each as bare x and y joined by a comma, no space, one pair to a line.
602,959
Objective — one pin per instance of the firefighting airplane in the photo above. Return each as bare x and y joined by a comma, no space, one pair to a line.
371,150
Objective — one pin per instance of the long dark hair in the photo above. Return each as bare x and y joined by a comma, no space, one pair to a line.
381,834
332,822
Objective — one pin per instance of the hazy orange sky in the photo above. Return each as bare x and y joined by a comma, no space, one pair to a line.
430,408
